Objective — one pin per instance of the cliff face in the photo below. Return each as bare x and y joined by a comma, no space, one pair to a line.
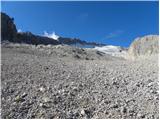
144,47
8,28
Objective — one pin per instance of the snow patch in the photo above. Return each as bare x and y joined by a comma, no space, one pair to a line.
112,50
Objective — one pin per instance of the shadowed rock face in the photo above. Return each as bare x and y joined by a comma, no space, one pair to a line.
144,46
8,27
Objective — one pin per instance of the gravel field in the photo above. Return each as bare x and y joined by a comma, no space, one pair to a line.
37,83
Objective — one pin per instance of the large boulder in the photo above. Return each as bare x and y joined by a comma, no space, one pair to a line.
8,28
144,47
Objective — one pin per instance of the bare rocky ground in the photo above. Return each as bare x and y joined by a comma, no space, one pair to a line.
64,82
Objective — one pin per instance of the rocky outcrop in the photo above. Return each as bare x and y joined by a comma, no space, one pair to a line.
8,28
144,47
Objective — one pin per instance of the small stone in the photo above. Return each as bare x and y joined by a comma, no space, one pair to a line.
48,88
72,83
24,94
63,90
19,99
150,84
42,89
109,115
87,58
114,83
115,106
124,110
82,112
3,98
140,115
153,91
49,52
143,116
41,104
107,101
46,99
106,112
75,89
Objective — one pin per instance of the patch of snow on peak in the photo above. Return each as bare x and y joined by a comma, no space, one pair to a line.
52,35
108,48
112,50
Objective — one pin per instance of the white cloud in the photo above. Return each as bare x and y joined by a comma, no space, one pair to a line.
52,35
114,34
19,30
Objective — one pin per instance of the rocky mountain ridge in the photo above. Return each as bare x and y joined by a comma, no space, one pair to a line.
9,32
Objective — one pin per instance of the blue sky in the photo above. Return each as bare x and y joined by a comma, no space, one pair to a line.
114,23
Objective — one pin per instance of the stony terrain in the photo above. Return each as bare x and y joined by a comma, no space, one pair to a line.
64,82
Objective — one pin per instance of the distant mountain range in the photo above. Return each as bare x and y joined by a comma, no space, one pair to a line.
9,32
144,46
